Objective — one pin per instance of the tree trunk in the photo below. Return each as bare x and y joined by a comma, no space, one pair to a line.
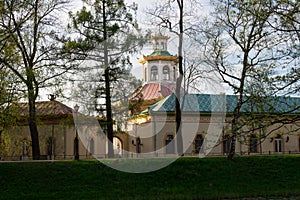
33,125
178,112
232,141
234,126
178,83
109,119
109,115
237,110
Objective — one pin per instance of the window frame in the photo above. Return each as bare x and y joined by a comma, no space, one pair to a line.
253,144
169,144
166,76
154,76
198,143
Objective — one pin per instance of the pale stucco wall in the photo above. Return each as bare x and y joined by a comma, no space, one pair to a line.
165,125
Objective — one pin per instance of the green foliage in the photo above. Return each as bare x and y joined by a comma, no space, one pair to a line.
5,144
253,49
260,44
8,97
32,50
113,15
106,32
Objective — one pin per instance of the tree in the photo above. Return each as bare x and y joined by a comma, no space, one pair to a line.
178,24
248,53
122,89
8,114
107,33
31,50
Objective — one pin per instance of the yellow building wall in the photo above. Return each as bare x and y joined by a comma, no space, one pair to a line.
152,144
192,126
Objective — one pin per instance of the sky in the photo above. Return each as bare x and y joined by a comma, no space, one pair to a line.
143,6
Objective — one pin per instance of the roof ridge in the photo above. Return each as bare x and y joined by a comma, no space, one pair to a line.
47,108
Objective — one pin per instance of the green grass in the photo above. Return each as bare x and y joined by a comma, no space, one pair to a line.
187,178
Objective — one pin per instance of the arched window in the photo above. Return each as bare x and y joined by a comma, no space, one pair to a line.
198,143
299,143
278,144
154,73
166,73
226,144
253,144
170,147
50,146
92,146
162,46
117,145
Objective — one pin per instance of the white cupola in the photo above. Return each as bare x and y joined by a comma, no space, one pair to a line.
160,66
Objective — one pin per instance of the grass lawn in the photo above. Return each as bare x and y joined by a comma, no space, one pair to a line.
186,178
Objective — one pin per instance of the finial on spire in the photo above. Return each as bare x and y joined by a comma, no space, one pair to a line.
51,97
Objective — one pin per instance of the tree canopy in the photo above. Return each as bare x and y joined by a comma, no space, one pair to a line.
32,48
107,33
253,47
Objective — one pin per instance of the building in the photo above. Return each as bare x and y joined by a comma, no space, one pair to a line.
206,123
57,133
159,74
153,129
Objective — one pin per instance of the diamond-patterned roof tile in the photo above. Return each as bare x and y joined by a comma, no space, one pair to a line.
227,103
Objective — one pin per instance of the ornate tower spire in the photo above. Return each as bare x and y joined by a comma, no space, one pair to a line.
159,73
159,42
160,66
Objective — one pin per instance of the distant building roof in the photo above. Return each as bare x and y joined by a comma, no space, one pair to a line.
152,91
207,103
44,108
158,55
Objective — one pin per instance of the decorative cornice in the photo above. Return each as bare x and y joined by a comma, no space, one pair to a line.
145,59
159,36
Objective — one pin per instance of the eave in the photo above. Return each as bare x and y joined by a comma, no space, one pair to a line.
145,59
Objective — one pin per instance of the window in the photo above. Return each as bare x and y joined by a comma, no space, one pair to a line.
92,146
299,144
162,46
198,144
166,73
154,73
174,73
253,144
145,75
50,146
226,144
278,144
156,45
117,145
170,145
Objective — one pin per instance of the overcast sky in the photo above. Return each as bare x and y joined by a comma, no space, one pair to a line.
142,18
143,5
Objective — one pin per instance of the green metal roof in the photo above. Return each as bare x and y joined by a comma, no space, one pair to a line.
160,53
207,103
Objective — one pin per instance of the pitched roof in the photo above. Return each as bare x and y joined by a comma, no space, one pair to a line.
159,55
207,103
152,91
44,108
